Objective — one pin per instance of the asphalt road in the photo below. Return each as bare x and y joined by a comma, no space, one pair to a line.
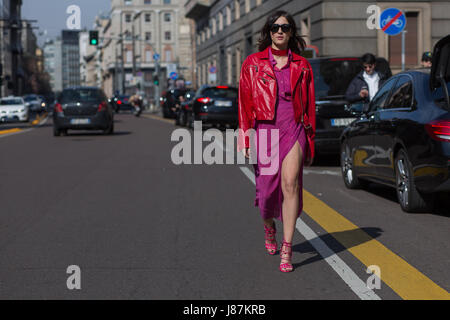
140,227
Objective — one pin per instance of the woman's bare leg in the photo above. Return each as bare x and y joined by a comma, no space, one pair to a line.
290,170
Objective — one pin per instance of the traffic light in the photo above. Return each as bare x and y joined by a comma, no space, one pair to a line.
155,80
93,38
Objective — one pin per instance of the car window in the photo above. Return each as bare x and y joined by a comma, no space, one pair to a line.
10,102
402,94
215,92
333,76
81,95
382,95
438,96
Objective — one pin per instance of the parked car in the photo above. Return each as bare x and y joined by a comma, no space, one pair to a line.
34,103
82,108
181,112
402,139
13,109
121,103
332,77
214,105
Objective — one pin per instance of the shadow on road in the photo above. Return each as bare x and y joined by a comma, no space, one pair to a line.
331,160
441,202
337,242
88,133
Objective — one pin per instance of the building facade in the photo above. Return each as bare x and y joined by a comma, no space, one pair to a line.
137,31
227,31
70,58
11,74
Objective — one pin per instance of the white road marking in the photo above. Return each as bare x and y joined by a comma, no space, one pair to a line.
339,266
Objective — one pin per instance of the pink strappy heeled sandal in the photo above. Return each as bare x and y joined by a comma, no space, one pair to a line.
271,242
286,255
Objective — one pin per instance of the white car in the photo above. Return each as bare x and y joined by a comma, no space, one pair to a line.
13,109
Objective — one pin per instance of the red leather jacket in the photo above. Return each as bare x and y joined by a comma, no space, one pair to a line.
258,94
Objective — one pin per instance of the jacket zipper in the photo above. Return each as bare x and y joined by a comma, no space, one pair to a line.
268,75
264,79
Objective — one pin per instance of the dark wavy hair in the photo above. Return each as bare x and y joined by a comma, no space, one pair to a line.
296,42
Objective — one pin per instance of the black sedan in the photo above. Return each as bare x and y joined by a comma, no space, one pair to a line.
82,108
214,105
402,139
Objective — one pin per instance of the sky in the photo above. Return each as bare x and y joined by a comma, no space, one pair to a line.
51,15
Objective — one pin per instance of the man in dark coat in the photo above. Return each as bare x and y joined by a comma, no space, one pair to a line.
366,83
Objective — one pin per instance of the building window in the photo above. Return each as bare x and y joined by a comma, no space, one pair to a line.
128,2
229,67
220,21
167,17
237,9
128,17
166,1
148,36
147,1
168,55
305,29
213,25
129,56
411,43
168,35
228,15
148,55
148,17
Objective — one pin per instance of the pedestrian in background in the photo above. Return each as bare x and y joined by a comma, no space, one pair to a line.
276,92
426,59
365,85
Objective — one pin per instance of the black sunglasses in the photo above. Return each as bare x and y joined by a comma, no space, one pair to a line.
284,27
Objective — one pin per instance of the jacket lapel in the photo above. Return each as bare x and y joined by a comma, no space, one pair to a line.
296,73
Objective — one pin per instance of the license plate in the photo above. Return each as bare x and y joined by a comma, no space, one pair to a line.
342,122
80,121
220,103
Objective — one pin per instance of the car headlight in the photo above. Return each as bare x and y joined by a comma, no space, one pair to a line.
43,104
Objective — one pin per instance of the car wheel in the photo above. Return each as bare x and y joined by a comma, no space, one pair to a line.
56,132
351,180
410,199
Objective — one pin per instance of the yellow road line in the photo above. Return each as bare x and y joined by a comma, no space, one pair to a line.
10,131
404,279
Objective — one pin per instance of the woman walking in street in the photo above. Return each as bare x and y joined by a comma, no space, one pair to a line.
276,92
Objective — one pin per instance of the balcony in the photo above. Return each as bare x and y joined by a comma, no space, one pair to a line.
196,9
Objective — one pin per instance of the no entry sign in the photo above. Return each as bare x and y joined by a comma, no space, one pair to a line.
392,21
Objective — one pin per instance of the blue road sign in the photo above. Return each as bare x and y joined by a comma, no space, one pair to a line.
156,56
173,75
212,69
392,21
